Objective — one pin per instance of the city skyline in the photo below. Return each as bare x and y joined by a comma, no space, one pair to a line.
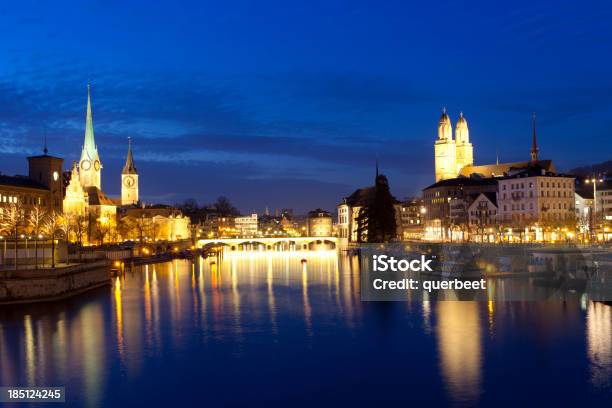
215,107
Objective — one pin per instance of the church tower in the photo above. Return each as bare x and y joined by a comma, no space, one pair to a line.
129,179
465,150
90,167
445,150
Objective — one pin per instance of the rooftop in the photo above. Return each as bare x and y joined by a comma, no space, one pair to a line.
20,181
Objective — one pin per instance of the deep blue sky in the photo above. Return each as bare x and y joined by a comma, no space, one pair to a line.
287,104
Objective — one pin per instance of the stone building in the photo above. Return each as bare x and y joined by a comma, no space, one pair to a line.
153,223
43,186
536,195
455,157
446,205
319,223
451,155
247,226
482,217
412,217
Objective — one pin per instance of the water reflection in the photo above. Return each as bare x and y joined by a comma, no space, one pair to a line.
258,312
599,336
460,348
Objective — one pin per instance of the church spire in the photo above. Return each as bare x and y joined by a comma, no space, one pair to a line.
90,150
129,167
534,145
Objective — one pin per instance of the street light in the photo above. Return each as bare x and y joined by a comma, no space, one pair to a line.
594,180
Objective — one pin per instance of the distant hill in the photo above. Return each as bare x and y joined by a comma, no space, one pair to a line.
605,167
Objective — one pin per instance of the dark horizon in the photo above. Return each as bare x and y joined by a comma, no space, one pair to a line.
288,106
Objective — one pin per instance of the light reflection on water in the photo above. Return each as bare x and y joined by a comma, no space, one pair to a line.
300,324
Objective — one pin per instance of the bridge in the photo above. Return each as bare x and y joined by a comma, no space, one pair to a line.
268,243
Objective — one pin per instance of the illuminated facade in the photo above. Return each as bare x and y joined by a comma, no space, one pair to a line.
455,157
75,200
536,196
445,150
42,187
247,226
154,223
319,223
452,155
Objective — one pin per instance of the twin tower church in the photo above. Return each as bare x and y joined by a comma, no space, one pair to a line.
454,157
84,195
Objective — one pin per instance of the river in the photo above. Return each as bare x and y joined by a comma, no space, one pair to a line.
266,328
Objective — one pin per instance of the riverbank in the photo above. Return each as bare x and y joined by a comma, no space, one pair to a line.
49,284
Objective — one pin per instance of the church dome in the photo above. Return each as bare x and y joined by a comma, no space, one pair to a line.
445,131
445,119
461,122
462,133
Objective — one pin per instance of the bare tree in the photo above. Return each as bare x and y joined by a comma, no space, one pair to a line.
103,229
141,225
36,220
80,228
11,219
54,227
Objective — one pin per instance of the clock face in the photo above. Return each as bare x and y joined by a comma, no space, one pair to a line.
97,165
55,176
85,165
128,181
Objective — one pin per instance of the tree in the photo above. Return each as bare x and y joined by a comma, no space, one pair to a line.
224,207
190,206
36,220
141,225
80,228
54,226
12,217
104,227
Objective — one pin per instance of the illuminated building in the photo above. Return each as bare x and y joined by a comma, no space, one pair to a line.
412,216
446,205
247,226
43,186
76,199
153,223
100,208
482,216
535,195
319,223
90,167
445,150
455,157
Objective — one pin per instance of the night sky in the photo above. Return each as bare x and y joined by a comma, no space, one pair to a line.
287,104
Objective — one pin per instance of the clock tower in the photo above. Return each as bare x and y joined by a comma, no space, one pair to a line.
90,167
129,179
